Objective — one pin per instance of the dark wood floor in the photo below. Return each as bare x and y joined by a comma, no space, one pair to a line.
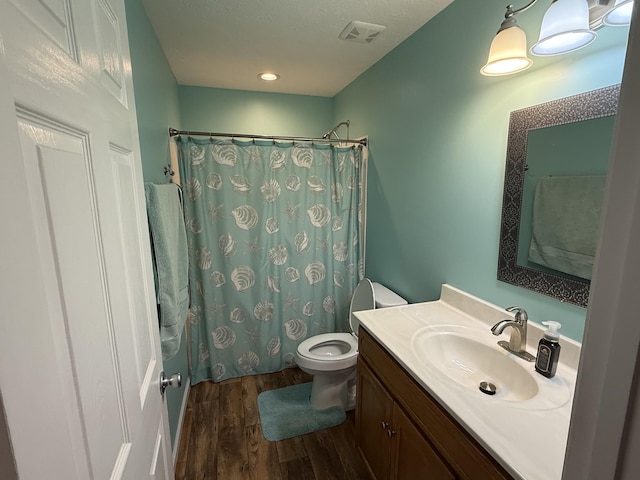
222,437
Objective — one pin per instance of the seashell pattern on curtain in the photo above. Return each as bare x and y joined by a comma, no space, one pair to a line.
275,249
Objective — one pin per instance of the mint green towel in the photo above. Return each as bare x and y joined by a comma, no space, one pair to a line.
566,221
171,262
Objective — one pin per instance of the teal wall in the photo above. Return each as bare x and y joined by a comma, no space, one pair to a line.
438,136
437,131
259,113
156,93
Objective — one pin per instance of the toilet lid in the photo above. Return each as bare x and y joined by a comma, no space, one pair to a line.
363,299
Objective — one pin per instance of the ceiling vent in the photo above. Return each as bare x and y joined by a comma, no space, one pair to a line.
362,32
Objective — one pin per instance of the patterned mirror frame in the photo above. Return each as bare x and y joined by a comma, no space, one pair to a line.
584,106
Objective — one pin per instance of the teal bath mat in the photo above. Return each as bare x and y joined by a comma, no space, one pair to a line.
286,412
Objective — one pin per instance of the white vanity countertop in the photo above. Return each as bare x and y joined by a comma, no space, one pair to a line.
527,438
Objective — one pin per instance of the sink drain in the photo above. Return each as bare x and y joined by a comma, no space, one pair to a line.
488,388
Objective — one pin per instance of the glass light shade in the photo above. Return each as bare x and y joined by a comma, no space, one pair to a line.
565,28
508,53
620,15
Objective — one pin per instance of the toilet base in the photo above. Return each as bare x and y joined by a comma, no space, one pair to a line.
334,389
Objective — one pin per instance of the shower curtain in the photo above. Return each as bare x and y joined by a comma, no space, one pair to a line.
274,249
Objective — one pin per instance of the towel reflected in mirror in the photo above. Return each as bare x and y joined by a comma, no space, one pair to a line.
566,220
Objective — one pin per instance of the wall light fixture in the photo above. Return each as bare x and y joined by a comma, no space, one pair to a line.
508,51
620,14
566,26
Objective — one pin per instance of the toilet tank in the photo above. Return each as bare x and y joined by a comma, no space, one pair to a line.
385,297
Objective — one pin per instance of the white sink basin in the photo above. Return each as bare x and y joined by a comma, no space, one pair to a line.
457,355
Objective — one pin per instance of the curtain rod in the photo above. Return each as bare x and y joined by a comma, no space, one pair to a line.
173,132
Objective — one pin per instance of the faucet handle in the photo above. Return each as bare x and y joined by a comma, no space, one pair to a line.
521,313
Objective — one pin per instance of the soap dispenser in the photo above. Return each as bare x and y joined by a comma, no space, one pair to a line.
548,350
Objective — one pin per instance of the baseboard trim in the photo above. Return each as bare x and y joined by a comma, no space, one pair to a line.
183,410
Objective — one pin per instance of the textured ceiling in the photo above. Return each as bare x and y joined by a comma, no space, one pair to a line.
226,43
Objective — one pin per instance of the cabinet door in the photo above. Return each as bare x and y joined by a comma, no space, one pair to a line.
373,418
413,457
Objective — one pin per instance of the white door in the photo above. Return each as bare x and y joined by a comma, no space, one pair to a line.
79,344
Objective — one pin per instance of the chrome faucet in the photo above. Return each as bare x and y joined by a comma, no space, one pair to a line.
517,343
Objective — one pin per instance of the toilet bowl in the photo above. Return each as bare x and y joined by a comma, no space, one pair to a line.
331,357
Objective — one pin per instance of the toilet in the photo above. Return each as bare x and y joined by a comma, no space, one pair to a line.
331,357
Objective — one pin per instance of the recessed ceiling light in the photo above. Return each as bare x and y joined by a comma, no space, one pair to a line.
268,76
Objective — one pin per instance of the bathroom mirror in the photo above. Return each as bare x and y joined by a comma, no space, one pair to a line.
533,131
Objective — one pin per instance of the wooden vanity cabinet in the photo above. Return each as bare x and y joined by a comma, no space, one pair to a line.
403,433
374,410
414,453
